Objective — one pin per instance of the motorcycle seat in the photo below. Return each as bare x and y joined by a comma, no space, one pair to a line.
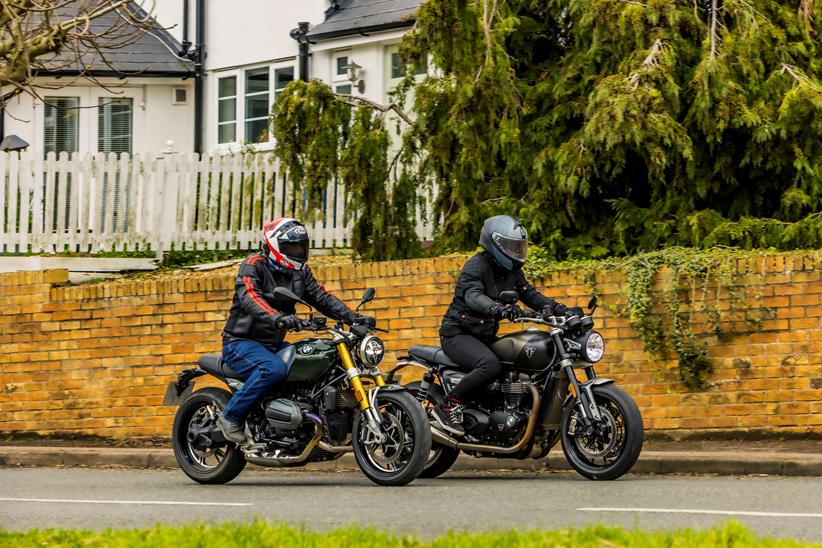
214,364
432,354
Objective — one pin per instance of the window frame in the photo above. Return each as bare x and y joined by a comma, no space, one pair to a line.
219,110
340,81
254,94
240,137
77,121
102,103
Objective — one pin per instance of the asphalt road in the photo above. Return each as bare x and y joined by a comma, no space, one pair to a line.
96,499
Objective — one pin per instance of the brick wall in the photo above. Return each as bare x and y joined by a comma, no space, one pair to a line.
94,359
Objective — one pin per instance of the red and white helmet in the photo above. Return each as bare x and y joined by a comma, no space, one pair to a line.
285,241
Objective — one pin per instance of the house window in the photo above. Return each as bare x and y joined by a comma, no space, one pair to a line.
114,124
61,130
340,74
398,67
256,105
227,110
342,66
282,77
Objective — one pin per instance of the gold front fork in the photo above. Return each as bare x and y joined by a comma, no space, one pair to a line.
356,383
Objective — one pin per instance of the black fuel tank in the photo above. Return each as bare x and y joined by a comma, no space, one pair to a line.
529,350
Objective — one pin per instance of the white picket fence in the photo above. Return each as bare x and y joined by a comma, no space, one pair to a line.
100,203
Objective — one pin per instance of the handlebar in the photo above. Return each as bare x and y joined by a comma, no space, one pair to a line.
321,324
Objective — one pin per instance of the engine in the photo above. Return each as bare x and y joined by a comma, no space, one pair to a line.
500,418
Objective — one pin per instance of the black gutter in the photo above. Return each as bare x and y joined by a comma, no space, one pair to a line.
360,30
117,74
199,73
299,34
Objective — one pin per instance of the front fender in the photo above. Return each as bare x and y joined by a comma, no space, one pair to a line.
599,381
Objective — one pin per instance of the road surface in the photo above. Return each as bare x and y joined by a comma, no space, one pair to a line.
99,498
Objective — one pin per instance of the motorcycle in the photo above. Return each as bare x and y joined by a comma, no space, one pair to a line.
334,400
537,401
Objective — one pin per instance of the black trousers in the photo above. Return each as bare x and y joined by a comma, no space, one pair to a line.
474,354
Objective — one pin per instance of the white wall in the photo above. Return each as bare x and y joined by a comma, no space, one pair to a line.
169,14
249,34
155,120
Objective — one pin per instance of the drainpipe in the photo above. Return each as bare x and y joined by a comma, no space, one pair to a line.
199,73
299,34
186,44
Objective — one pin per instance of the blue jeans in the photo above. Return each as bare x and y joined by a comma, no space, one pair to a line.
262,369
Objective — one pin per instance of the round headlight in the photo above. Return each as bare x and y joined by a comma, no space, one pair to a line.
372,350
593,347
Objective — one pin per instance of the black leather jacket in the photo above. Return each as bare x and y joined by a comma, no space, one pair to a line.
255,308
478,288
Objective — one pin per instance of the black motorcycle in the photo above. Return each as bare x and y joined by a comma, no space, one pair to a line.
334,401
537,400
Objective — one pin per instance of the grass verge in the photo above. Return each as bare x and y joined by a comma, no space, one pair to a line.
260,533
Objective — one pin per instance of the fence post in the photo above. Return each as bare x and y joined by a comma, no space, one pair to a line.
168,183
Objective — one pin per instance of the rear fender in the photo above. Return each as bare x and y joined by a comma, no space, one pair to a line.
180,390
402,363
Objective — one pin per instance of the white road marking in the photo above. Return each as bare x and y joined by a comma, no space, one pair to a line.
147,502
695,511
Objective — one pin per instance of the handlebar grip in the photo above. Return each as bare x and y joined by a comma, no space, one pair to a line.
280,324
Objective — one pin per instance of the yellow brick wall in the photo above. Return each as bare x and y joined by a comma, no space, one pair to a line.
94,359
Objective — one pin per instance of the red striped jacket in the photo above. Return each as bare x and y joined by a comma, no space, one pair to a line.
255,308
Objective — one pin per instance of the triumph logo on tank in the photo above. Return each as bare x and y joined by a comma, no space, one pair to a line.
529,351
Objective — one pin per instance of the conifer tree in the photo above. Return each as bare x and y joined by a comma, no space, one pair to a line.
612,126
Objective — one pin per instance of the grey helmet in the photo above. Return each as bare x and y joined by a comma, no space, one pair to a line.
506,240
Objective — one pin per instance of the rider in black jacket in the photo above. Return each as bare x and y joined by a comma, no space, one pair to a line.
471,322
259,320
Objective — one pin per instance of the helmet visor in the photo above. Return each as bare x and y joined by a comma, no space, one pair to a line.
514,248
297,251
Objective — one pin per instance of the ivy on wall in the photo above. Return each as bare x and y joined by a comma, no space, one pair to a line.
678,297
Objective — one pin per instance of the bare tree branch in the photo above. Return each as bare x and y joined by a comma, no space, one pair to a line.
355,101
43,36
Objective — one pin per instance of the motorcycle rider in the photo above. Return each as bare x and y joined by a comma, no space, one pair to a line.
471,322
259,320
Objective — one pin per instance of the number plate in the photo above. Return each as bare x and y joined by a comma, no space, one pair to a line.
171,397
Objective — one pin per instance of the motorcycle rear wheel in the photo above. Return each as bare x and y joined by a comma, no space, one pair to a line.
614,448
214,465
400,458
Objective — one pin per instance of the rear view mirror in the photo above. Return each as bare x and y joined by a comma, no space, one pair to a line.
592,304
284,293
508,297
367,297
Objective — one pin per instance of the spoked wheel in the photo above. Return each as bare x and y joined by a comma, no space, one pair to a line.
399,457
201,458
441,457
613,444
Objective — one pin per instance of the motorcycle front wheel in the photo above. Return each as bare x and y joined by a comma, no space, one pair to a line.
613,445
197,416
400,456
442,457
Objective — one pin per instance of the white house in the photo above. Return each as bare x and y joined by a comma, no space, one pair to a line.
252,50
207,83
145,100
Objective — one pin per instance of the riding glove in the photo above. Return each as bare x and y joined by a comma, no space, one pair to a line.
359,319
288,321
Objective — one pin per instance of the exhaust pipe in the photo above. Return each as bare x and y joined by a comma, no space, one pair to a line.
442,438
263,460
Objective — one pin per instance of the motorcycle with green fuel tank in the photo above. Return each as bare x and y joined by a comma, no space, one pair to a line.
334,401
537,401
